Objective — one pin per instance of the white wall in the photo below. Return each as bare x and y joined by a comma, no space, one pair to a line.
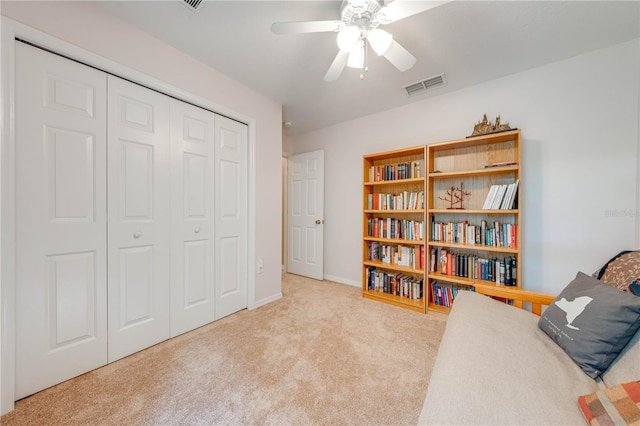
79,24
579,120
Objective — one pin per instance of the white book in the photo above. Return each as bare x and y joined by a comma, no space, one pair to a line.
497,201
514,194
507,195
489,199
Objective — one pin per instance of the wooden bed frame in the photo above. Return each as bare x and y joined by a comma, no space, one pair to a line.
537,300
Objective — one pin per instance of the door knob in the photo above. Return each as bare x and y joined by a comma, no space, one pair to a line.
197,230
318,222
137,234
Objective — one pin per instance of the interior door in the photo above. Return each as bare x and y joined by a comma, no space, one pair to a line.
230,208
192,289
138,218
61,272
305,213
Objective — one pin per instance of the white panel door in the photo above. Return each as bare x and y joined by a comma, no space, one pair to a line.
305,185
61,272
139,217
192,290
230,207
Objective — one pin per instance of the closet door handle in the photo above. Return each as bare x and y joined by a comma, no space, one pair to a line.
137,234
197,230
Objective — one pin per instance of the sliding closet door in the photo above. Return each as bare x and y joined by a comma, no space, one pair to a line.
61,287
139,217
192,134
230,216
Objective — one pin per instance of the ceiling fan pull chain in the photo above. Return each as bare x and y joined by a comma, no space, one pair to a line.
366,57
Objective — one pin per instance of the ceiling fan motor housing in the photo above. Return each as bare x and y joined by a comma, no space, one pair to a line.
361,13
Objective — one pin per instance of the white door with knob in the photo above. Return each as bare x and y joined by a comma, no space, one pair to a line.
61,261
139,218
305,215
192,271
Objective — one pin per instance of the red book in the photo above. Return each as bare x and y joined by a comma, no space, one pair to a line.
443,262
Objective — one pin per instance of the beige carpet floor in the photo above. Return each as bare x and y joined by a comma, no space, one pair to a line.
320,355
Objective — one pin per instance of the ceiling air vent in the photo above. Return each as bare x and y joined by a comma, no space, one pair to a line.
193,4
424,85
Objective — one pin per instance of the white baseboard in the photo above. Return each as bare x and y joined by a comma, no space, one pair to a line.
343,280
267,300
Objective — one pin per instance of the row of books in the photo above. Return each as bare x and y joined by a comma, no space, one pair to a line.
494,234
502,197
403,201
394,283
407,170
444,294
398,255
502,271
395,228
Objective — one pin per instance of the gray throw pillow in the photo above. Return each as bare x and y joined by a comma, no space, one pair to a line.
592,322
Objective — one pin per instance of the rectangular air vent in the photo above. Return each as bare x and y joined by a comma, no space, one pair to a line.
193,4
424,85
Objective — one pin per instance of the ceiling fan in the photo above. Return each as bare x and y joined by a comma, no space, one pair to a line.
358,27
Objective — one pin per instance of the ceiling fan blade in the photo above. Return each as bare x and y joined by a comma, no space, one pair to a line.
399,9
305,27
399,57
337,66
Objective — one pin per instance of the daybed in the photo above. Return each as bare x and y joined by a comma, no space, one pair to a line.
496,366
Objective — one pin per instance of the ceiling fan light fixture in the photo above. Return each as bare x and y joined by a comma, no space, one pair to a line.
379,40
348,38
356,57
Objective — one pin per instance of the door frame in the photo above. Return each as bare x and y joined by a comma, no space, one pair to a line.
285,205
10,30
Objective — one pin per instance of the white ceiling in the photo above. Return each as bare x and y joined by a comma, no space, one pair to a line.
470,41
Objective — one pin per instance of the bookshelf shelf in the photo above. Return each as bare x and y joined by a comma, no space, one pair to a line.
395,182
391,179
495,249
395,241
470,212
393,267
418,211
403,302
438,308
479,172
477,164
469,282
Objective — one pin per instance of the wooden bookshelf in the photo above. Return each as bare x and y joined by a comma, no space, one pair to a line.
471,163
398,173
478,163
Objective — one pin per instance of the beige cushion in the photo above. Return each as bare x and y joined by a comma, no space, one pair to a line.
495,366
